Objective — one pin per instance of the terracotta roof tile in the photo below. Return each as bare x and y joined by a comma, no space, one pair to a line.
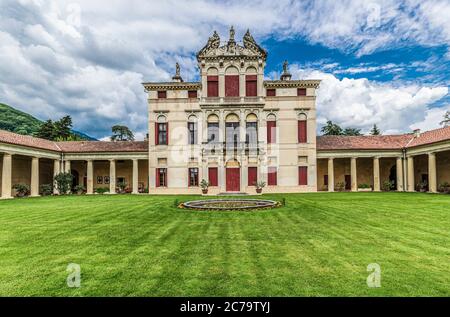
432,136
102,146
27,140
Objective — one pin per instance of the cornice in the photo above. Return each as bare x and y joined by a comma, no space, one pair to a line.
292,83
172,86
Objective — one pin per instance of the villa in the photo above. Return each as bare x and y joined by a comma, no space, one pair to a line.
233,129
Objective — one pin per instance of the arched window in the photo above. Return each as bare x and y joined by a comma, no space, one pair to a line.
192,129
212,79
251,130
251,82
213,128
161,131
302,130
271,128
232,82
232,130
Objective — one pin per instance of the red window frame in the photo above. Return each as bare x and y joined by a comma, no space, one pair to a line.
271,131
213,86
303,175
251,85
272,176
162,94
302,131
271,92
158,177
213,173
231,85
252,176
301,91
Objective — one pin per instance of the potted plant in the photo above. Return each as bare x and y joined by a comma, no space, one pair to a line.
423,186
444,187
122,186
79,189
46,189
340,186
364,188
204,184
388,186
259,186
22,190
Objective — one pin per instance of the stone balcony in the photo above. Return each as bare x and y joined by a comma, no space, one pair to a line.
211,102
234,148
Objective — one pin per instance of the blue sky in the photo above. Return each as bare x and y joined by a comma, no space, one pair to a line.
384,62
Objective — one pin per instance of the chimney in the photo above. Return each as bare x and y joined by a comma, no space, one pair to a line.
416,133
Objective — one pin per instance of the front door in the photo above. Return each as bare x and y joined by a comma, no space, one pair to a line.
233,179
348,182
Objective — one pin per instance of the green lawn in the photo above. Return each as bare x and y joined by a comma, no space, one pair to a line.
318,244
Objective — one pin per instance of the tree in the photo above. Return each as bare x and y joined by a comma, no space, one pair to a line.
352,131
121,133
446,121
375,130
62,128
331,129
46,130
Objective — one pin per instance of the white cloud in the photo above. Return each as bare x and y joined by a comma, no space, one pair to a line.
361,103
87,59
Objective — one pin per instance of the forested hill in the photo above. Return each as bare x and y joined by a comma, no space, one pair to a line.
20,122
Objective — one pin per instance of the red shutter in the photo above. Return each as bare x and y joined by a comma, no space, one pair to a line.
213,86
252,176
271,132
156,133
302,131
271,92
162,94
303,175
157,178
232,86
192,94
272,176
213,176
301,91
167,133
251,86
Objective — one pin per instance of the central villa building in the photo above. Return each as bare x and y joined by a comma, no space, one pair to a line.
234,129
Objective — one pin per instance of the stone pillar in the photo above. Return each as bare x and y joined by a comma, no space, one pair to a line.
112,176
399,164
6,176
221,84
376,174
56,171
432,179
67,167
90,177
331,174
411,185
242,85
34,188
135,176
353,173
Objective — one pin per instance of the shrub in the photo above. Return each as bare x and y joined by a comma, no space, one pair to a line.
101,190
204,184
422,186
364,186
22,190
260,184
388,186
340,186
122,187
444,187
63,183
79,189
46,189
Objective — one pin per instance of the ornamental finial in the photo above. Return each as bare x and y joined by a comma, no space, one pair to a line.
232,33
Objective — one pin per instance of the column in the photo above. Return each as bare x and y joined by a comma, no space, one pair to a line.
330,174
6,176
56,171
90,177
135,176
411,185
376,174
399,164
221,84
432,179
353,174
242,85
112,176
34,188
67,167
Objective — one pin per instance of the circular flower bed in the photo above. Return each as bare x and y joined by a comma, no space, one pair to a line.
229,204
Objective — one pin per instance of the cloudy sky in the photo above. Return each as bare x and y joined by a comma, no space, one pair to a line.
385,62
